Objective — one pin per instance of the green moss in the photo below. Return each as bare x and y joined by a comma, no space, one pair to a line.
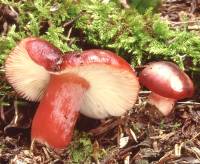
33,17
143,5
137,37
81,148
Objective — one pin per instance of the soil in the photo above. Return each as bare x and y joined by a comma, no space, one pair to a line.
142,136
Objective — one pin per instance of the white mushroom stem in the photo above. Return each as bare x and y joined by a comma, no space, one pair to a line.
163,104
54,121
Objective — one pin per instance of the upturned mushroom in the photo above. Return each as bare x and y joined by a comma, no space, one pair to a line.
167,84
97,83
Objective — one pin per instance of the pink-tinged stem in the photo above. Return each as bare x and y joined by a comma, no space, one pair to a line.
54,121
163,104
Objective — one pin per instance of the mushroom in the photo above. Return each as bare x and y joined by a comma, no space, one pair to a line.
28,64
167,84
97,83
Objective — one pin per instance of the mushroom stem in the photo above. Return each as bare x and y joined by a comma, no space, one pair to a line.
163,104
54,121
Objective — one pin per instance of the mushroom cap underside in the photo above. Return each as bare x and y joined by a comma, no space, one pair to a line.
113,84
27,78
112,91
27,64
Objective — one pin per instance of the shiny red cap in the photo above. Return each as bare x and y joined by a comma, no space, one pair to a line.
166,79
95,56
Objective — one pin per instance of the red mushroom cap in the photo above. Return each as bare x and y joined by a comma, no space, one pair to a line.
95,56
167,80
43,53
28,64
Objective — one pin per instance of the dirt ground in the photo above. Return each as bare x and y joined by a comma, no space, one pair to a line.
142,136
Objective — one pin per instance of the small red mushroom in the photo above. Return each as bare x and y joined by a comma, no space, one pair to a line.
98,83
28,64
167,84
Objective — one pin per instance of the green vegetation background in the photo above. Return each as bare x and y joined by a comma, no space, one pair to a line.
78,25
